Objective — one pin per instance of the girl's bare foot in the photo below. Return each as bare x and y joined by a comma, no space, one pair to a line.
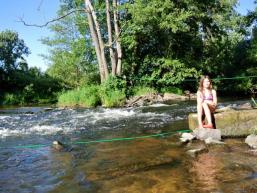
209,126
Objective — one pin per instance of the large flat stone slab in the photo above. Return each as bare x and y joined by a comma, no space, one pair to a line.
234,123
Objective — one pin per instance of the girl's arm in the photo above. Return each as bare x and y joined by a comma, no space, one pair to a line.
199,98
199,109
214,94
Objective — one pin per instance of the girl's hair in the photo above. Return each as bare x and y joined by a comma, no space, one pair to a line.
201,82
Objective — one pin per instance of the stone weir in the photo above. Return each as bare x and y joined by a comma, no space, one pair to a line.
231,122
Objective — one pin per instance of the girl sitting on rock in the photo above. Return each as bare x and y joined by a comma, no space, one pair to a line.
206,103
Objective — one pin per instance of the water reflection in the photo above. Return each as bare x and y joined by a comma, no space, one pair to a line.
206,168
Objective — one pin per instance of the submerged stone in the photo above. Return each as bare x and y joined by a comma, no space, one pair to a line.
209,140
186,137
196,152
59,146
251,140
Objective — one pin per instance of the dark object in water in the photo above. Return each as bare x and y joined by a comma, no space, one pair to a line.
57,145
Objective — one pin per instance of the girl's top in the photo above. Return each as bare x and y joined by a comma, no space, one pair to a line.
209,97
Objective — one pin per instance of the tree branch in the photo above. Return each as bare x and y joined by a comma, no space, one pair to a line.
51,21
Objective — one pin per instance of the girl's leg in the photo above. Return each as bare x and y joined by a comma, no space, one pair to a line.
207,113
199,115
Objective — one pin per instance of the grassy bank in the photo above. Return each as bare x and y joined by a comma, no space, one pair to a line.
92,96
105,95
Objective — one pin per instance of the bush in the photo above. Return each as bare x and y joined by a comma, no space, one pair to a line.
112,92
87,96
114,98
68,98
139,90
174,90
11,99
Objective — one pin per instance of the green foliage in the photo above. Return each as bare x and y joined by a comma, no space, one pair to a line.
12,51
143,90
168,41
172,89
19,83
171,72
164,42
112,98
254,102
112,92
86,96
28,92
71,55
11,99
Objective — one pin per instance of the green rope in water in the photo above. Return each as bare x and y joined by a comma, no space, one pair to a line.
98,141
129,138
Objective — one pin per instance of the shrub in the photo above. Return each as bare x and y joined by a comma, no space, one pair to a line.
140,90
86,96
174,90
11,99
112,92
89,97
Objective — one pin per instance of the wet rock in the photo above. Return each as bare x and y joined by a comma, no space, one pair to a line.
252,152
58,146
143,100
203,134
251,140
186,137
232,123
191,96
244,106
195,152
224,109
48,109
209,140
172,96
152,98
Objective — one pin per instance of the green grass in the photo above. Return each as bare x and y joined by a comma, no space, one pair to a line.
139,90
174,90
113,98
11,99
91,96
85,97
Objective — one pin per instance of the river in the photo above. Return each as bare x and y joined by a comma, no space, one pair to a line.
152,164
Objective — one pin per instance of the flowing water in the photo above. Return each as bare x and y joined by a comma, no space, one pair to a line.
155,164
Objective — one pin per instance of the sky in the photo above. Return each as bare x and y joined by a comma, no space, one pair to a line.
41,11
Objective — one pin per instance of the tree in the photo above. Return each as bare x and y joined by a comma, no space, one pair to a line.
113,46
12,51
95,28
199,35
71,55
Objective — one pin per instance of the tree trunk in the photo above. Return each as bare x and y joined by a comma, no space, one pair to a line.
100,40
95,42
117,36
109,27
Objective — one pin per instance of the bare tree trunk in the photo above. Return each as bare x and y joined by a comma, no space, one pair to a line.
109,27
96,42
117,36
100,40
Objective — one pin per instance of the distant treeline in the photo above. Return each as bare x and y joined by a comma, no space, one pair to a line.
123,45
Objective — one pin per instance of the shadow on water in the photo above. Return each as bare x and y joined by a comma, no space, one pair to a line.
156,164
